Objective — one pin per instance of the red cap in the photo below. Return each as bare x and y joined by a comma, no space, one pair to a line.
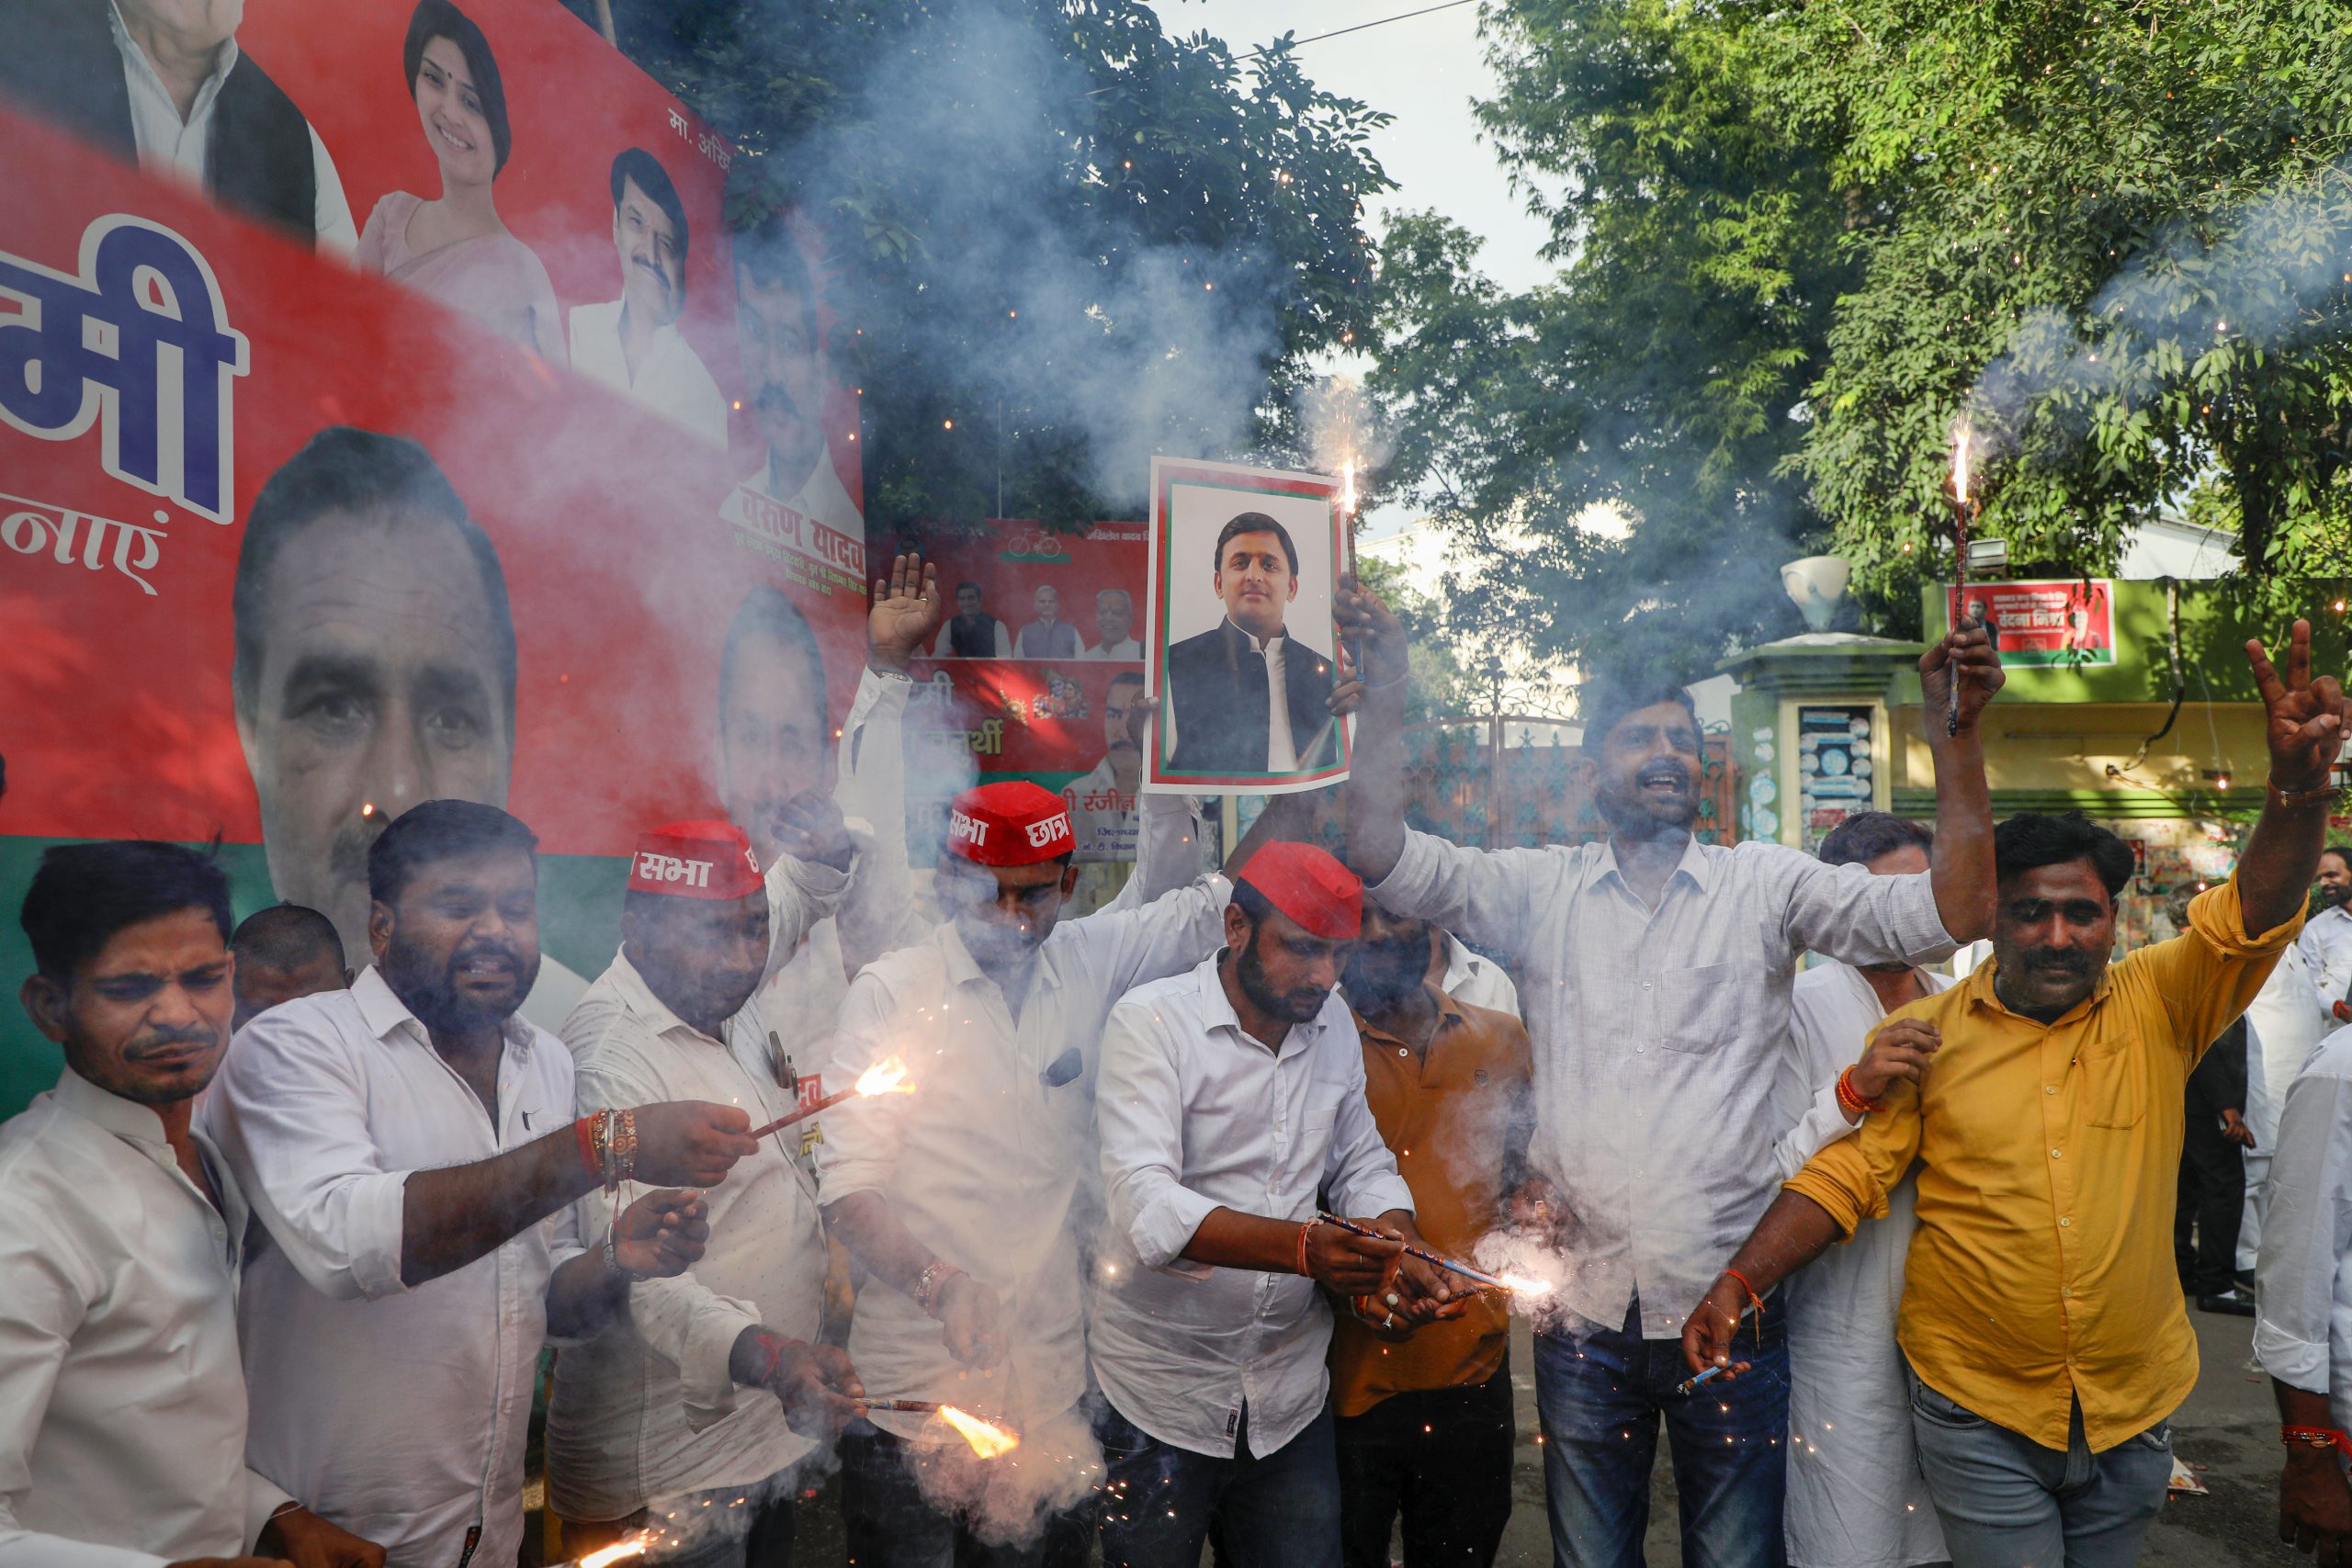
1314,889
1015,823
695,860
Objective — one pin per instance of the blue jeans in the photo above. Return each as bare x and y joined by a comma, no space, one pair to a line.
1600,1392
1161,1503
2007,1502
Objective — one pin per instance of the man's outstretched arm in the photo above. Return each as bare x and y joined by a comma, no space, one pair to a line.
1793,1231
1961,865
1376,789
2306,720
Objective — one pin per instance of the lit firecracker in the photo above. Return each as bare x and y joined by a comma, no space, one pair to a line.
883,1077
623,1550
1516,1284
1347,490
986,1438
1962,511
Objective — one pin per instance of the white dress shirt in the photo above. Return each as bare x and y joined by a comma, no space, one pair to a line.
2302,1333
669,378
2326,943
1282,750
168,144
1657,1033
1199,1115
1476,981
1856,1498
818,496
1124,649
828,926
648,1409
2285,1024
989,1161
398,1414
122,1404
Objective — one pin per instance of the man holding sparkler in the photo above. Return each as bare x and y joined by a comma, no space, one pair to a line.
1424,1428
964,1199
1231,1094
410,1147
122,1405
645,1421
2040,1315
1658,972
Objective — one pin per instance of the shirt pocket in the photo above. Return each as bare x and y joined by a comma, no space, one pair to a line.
1696,1009
2115,1082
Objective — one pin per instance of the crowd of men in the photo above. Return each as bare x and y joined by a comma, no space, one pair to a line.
1169,1194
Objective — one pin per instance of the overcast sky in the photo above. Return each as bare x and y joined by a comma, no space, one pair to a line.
1424,71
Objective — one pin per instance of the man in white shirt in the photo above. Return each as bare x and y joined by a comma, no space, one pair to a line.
2326,941
1660,972
410,1147
965,1199
645,1419
2303,1332
776,750
1231,1096
1115,620
2284,1026
632,343
122,1405
1103,801
785,378
1856,1498
166,85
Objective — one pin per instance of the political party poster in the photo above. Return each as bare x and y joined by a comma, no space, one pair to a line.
1033,672
1244,568
2069,622
285,547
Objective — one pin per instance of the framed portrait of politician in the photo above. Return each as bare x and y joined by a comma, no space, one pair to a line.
1241,647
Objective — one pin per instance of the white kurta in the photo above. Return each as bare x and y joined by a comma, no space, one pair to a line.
122,1404
669,378
2326,943
2302,1333
1856,1498
648,1409
2285,1025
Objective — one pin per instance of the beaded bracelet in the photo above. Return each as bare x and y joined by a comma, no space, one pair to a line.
2314,1437
1853,1099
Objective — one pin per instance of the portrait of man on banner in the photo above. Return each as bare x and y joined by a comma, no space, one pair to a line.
1243,566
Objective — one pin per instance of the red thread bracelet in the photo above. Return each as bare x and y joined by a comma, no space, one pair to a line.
1304,1232
584,1131
2314,1437
1853,1099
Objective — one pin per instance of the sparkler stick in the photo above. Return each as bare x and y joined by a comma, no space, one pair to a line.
905,1406
1687,1385
885,1078
1492,1281
1961,508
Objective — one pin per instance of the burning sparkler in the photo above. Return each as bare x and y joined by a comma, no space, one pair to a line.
623,1551
883,1077
987,1440
1961,510
1347,490
1516,1284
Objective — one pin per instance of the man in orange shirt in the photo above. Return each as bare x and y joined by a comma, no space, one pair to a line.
1424,1424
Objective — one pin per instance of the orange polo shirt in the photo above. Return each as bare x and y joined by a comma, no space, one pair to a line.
1444,1112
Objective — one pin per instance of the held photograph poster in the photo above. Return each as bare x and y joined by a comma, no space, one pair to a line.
1242,643
292,544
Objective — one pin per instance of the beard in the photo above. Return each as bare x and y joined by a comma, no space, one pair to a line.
429,987
1297,1004
2333,895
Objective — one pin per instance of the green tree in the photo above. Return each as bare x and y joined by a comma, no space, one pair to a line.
1060,239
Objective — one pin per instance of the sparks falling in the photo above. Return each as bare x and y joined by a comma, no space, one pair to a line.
619,1552
987,1440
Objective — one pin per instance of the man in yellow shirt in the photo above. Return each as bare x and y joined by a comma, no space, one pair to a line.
2040,1315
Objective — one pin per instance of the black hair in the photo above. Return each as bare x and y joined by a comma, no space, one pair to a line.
765,611
345,469
1255,523
974,587
2341,852
1605,701
436,830
285,936
637,166
770,256
1866,835
438,18
2032,839
1251,902
82,894
1123,675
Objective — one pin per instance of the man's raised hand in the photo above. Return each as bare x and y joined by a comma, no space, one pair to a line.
1967,650
2306,717
1382,653
906,610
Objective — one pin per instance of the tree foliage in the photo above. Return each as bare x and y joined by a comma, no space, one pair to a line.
1797,242
1060,237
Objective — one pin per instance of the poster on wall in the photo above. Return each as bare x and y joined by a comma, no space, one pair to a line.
1034,672
1244,568
1834,767
289,549
2069,622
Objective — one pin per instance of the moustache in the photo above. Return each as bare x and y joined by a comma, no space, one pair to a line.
1667,773
773,399
486,952
2057,963
163,1042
